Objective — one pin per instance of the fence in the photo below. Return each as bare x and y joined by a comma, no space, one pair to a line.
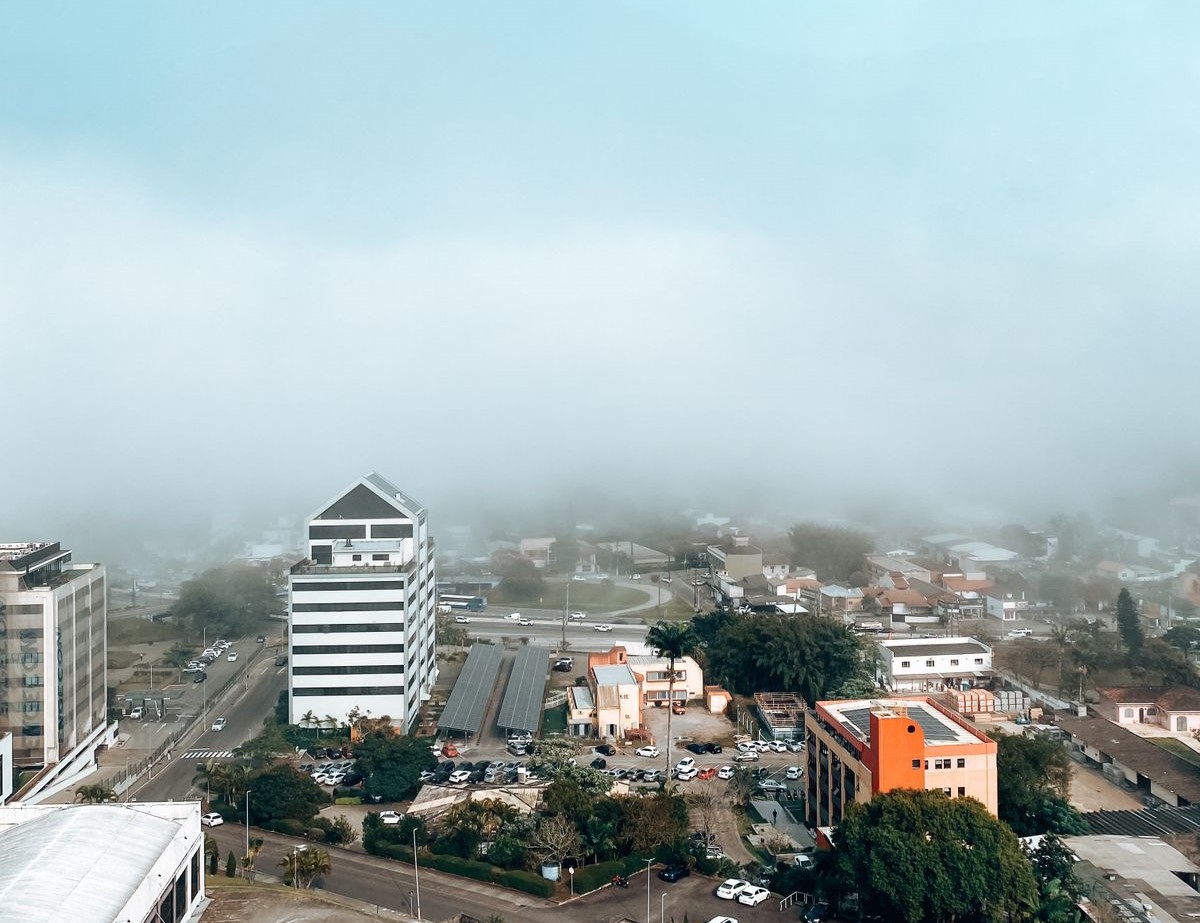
555,699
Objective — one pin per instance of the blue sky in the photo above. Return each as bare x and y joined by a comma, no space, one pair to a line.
549,222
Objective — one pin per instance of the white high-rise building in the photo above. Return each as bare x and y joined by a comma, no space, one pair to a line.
53,663
361,609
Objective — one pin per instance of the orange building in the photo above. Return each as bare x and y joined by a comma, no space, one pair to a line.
858,748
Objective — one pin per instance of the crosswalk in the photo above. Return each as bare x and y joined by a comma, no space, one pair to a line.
207,755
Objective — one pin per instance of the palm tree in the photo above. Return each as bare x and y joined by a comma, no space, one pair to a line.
94,794
673,640
309,720
303,866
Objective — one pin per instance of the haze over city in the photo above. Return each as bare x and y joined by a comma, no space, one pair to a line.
772,257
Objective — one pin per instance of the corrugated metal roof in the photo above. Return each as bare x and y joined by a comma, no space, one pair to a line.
614,675
521,709
82,863
467,703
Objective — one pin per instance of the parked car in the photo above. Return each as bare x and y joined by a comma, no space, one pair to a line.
794,772
696,748
708,772
200,677
713,748
753,896
796,746
459,776
750,756
390,817
746,746
778,746
686,763
649,752
686,775
677,709
772,785
281,660
816,913
212,820
562,667
450,750
650,775
219,724
599,763
674,872
607,749
731,888
725,772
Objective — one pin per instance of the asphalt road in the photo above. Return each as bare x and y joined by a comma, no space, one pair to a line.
547,629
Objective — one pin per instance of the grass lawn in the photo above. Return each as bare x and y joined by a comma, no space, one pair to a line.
554,720
1178,747
142,631
585,597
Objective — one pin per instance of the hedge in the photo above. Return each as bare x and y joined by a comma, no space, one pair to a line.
285,825
397,851
468,868
590,877
528,882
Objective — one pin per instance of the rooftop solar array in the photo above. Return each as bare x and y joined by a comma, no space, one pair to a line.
936,728
522,707
467,703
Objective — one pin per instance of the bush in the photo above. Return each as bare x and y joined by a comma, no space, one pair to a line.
591,877
342,797
285,825
706,866
468,868
316,834
230,865
397,851
527,882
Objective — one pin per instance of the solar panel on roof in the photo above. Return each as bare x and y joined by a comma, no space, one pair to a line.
467,703
934,729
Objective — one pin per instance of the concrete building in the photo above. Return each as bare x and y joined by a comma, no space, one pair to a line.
361,608
101,863
622,684
618,700
1173,708
860,748
52,660
933,664
736,560
654,675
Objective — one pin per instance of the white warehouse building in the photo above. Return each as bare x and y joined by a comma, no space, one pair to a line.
933,664
361,609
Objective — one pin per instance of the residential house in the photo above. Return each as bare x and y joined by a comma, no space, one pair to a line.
1004,604
839,600
1173,708
880,565
737,559
1114,570
776,565
537,550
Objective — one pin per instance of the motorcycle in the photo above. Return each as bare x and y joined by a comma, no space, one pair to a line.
620,881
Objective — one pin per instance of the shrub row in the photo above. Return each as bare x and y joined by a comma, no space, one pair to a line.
286,825
467,868
591,877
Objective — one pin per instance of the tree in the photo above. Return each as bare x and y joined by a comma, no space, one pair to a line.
269,744
248,861
1033,780
225,781
1058,888
1183,637
554,840
834,552
742,784
95,794
230,865
212,854
673,640
281,793
392,763
226,600
922,857
565,797
304,865
1129,624
553,754
519,578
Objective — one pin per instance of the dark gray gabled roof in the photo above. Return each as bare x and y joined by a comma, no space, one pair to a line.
371,497
523,702
472,691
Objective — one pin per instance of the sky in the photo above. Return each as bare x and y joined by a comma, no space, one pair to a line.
772,256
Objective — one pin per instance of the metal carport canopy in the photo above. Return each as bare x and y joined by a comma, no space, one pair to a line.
464,710
521,709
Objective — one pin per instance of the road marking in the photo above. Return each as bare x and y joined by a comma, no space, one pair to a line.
207,754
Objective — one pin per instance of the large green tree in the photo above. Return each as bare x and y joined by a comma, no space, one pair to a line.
674,641
392,764
1129,624
834,552
922,857
1033,780
283,793
229,600
805,654
1058,888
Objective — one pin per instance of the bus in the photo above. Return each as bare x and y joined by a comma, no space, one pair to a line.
454,601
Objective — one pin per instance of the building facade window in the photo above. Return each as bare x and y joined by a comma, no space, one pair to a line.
905,663
962,762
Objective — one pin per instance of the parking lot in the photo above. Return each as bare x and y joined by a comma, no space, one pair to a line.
694,896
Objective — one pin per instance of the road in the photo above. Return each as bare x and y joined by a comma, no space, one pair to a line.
547,628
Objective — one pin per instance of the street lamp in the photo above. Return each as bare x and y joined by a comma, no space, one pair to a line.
662,908
416,872
571,872
649,862
247,825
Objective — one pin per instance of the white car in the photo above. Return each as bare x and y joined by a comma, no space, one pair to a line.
753,896
684,764
601,628
751,756
462,620
722,920
731,888
212,820
650,752
578,616
232,658
459,776
772,785
512,617
794,772
524,621
778,746
578,579
746,746
725,772
219,724
796,746
686,775
390,817
335,778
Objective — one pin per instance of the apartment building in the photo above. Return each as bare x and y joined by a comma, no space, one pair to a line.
361,608
932,664
52,658
859,748
737,559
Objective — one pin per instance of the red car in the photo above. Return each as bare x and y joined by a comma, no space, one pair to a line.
450,751
677,709
708,772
